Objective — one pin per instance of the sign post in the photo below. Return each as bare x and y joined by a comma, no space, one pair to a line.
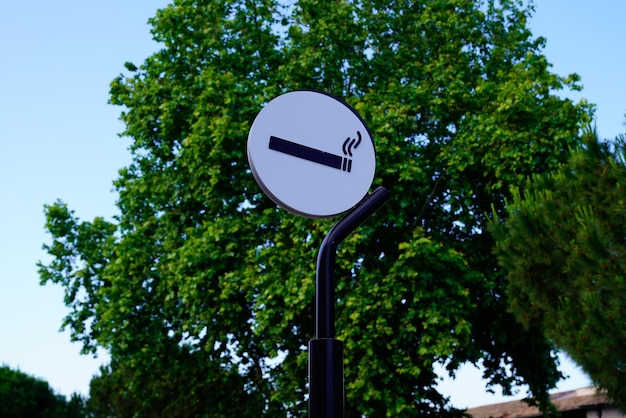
326,395
313,155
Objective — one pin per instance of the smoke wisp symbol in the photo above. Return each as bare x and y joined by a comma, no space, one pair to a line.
318,156
347,147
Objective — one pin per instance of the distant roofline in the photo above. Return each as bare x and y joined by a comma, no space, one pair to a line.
578,399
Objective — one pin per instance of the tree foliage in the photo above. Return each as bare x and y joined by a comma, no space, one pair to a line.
563,246
202,283
22,395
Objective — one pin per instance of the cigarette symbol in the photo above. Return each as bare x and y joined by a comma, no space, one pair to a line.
316,155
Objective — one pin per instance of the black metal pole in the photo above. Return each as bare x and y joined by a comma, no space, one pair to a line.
326,389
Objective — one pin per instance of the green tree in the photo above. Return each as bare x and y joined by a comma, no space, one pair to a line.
22,395
563,247
202,282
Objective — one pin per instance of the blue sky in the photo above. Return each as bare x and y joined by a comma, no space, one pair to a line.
58,140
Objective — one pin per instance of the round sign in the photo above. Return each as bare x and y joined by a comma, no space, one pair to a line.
311,154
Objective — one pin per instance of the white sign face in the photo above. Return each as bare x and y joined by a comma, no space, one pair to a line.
311,153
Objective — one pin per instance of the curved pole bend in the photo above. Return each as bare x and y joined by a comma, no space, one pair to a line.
325,283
